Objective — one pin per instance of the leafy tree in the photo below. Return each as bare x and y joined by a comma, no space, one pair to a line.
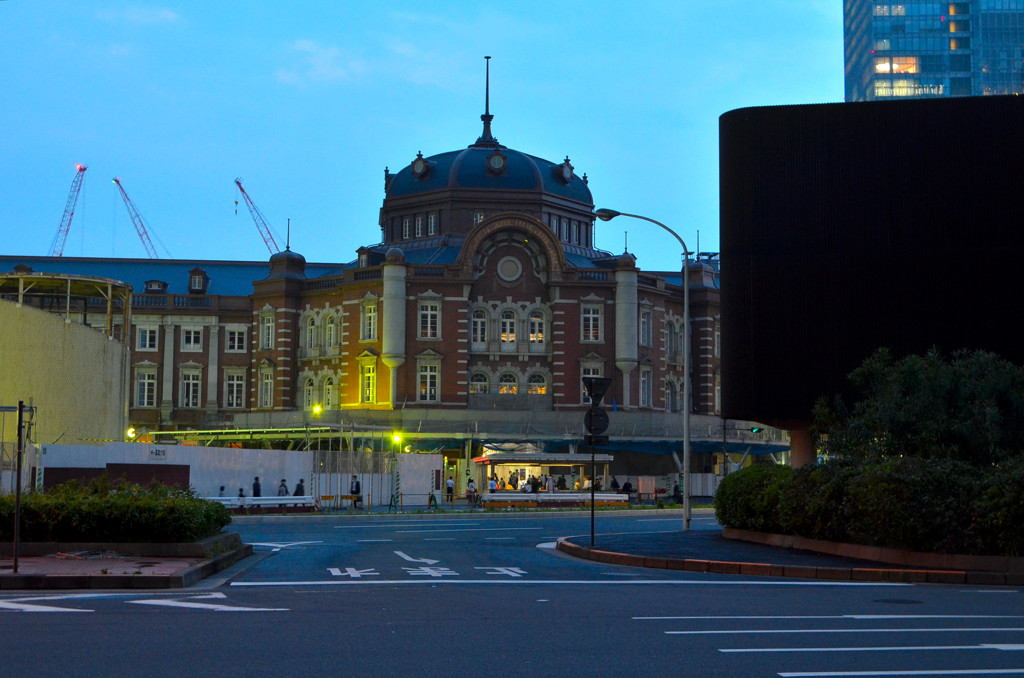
969,407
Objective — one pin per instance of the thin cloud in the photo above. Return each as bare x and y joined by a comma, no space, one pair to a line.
321,64
142,16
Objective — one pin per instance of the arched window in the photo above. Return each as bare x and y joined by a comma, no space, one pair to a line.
508,327
310,332
479,327
508,384
537,385
478,383
329,392
308,394
537,327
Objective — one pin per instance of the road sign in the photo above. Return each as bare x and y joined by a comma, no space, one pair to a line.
596,388
595,420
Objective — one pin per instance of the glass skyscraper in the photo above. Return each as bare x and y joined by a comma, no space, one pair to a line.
922,48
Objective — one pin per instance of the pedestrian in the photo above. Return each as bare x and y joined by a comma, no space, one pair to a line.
551,484
257,489
615,484
282,489
493,486
221,492
355,489
449,490
561,482
300,489
677,496
471,491
241,493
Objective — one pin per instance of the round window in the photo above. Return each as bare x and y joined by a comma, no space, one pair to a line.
510,269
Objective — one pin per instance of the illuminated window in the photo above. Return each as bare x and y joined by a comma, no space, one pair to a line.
429,375
477,217
537,385
904,65
508,328
588,371
478,383
537,327
591,323
508,384
309,394
368,384
430,314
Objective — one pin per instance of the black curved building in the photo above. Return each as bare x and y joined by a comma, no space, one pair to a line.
847,227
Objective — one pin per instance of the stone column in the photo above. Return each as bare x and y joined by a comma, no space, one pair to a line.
626,309
392,331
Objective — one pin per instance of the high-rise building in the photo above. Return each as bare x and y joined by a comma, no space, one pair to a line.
923,48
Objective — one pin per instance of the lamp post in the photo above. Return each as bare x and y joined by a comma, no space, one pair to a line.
608,215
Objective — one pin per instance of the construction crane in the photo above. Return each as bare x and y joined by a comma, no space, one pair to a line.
57,247
261,223
140,227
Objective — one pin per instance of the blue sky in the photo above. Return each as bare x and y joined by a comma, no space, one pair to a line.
308,102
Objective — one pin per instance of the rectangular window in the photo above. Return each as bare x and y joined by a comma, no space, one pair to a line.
419,226
430,313
718,339
645,328
368,390
197,282
718,393
479,329
508,327
236,341
234,391
431,224
536,328
428,383
145,388
190,383
591,323
191,339
645,387
369,321
575,232
267,331
405,228
146,338
266,389
477,217
588,372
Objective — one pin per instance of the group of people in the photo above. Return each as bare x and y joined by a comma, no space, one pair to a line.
282,489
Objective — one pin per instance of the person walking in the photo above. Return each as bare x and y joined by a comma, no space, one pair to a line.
355,489
282,489
257,489
300,489
449,490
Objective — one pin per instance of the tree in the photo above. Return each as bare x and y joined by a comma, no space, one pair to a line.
969,407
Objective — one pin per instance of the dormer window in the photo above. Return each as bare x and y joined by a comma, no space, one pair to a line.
197,280
156,287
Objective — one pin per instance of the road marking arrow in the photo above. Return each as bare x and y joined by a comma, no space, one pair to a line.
28,607
207,606
352,572
426,561
277,546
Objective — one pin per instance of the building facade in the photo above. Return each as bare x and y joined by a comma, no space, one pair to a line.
474,318
923,48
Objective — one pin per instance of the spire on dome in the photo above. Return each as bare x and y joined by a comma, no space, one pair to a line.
486,139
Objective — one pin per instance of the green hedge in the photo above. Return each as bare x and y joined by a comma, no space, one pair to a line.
905,503
103,512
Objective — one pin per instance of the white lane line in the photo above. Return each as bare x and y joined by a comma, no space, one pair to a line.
580,582
941,672
722,632
494,539
403,522
842,616
277,546
206,606
469,529
373,541
28,607
908,648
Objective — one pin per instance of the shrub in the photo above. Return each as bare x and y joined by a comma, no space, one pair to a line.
103,512
749,499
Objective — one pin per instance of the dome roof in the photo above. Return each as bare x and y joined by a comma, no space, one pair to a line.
471,169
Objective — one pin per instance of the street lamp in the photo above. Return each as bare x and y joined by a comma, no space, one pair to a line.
608,215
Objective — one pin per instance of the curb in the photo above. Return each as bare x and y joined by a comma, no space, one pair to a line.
857,574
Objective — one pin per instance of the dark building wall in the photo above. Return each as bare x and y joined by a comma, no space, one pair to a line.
846,227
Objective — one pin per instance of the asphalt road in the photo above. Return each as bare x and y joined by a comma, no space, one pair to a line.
485,595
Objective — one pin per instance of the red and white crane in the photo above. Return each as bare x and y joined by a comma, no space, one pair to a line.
57,247
136,218
261,223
